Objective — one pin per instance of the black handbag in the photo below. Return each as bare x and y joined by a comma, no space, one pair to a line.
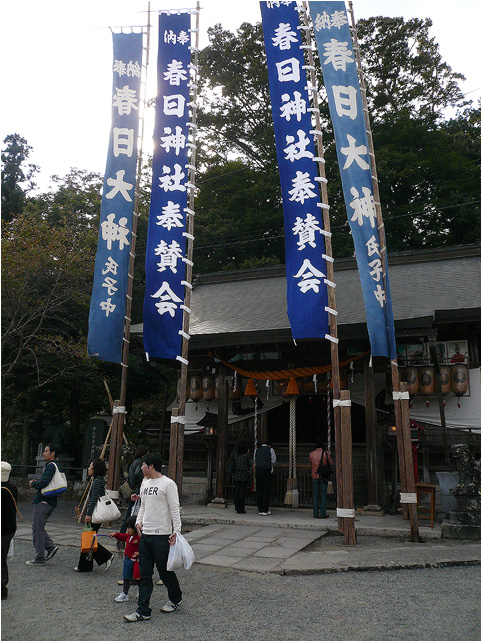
324,470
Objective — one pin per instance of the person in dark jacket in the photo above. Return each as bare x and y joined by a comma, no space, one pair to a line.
9,521
241,468
134,477
97,470
44,508
264,460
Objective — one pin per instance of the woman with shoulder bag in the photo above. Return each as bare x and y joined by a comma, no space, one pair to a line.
320,457
97,470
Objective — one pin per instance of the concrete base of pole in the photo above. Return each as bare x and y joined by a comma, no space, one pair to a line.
372,510
218,503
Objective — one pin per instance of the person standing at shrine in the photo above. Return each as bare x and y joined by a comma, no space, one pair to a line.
265,458
319,499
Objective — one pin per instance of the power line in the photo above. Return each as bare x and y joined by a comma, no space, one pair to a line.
225,240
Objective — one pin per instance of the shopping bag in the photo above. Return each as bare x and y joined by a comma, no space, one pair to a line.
135,508
135,571
180,554
56,486
87,536
330,488
10,551
105,510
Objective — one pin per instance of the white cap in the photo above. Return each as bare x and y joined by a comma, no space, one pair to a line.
6,468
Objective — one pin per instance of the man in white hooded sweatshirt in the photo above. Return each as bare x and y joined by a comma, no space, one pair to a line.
157,523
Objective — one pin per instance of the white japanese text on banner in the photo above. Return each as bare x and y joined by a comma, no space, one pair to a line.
304,232
108,302
166,245
334,43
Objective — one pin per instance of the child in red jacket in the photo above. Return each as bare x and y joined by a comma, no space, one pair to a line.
131,553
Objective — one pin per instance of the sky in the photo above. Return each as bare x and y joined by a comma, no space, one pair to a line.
57,57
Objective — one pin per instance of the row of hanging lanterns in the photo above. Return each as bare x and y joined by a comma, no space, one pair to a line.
421,380
206,387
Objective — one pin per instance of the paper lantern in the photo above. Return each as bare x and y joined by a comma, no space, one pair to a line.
208,386
196,388
459,379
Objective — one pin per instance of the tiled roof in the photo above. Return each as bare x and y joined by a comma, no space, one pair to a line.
423,284
419,289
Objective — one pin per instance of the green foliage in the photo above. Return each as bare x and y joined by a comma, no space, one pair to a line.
430,181
235,116
238,218
428,166
404,72
14,175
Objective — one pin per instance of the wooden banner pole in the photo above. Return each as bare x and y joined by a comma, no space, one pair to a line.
177,441
404,473
119,410
334,348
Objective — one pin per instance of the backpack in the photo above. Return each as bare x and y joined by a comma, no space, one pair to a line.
324,470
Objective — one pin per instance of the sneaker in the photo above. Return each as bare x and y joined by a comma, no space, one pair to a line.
35,563
122,598
260,513
109,563
135,616
170,606
51,553
268,513
120,582
160,582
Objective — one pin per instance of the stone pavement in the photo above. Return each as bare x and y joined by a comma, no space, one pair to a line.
290,541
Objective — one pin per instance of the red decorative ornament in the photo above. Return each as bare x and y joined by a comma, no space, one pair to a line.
250,390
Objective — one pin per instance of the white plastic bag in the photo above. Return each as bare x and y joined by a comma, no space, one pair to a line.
10,551
136,507
180,554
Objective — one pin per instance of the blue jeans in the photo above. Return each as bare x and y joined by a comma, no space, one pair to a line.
155,549
320,498
127,568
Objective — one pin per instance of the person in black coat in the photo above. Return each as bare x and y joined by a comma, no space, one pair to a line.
97,470
265,458
9,521
135,477
241,468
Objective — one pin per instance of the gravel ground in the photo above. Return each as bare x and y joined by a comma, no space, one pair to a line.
55,603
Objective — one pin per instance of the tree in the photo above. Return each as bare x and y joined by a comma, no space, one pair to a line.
429,180
428,166
238,218
404,71
14,156
235,117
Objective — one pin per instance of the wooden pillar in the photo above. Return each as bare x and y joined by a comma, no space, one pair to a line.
222,436
173,446
399,435
437,372
347,504
115,448
408,457
371,440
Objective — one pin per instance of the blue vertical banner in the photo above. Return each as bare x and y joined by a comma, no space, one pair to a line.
166,245
334,44
307,302
108,302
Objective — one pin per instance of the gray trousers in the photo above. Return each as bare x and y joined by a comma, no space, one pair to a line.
42,541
